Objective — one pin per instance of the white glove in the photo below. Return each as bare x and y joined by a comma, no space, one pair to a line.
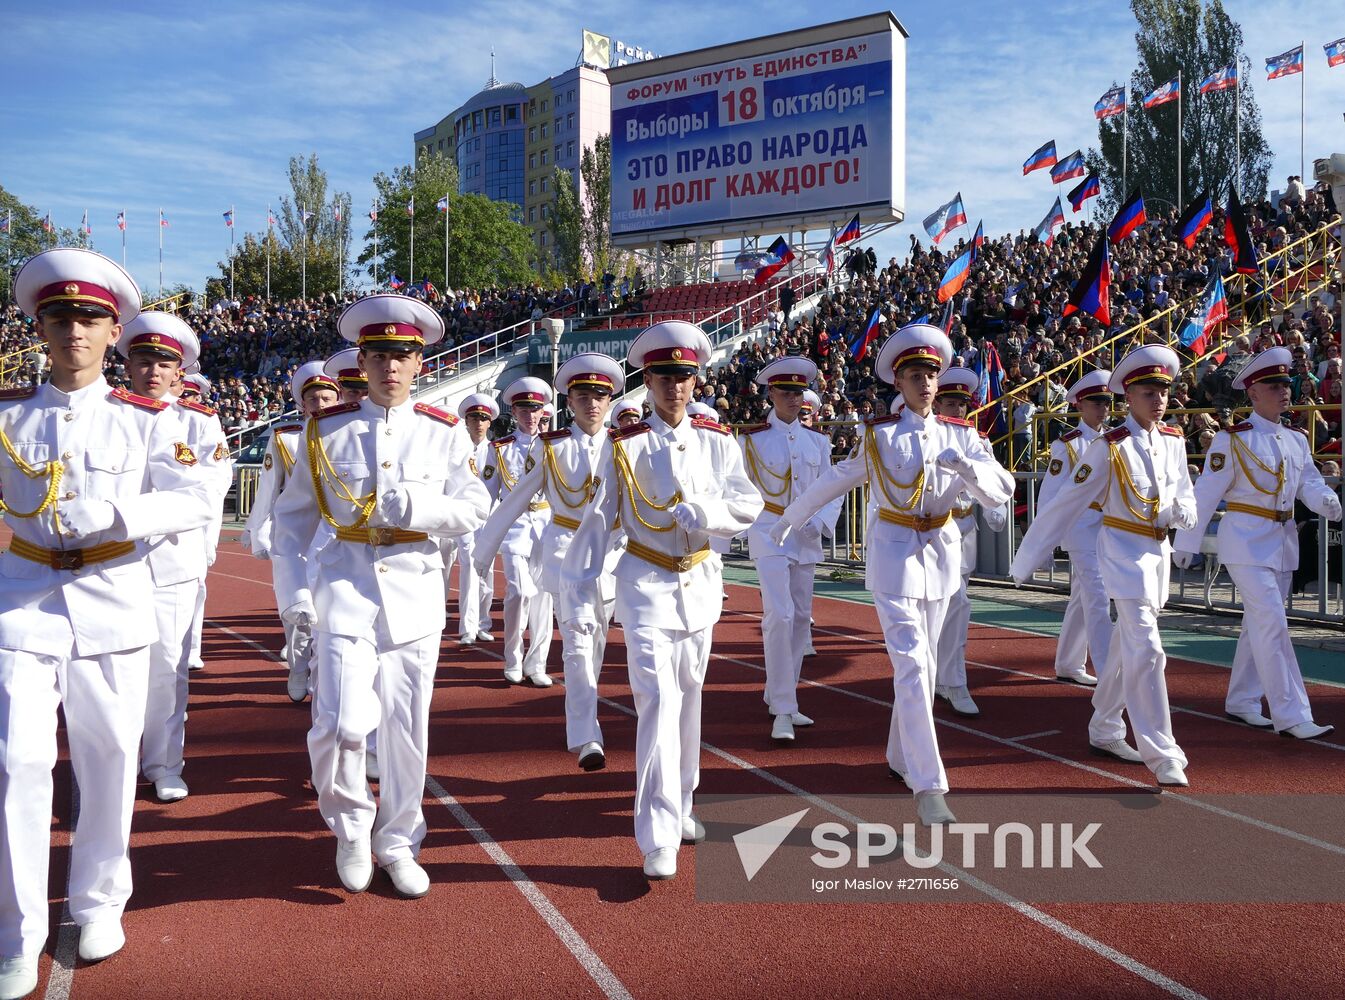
394,508
301,643
996,518
688,517
1333,508
82,518
584,626
264,555
300,613
810,532
483,567
953,460
779,532
1183,560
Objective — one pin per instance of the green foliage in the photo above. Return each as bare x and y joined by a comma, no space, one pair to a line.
26,237
581,227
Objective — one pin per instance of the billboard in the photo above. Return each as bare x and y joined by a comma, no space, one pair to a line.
793,131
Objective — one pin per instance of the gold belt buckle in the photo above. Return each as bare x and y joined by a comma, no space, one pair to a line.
68,559
1282,516
382,536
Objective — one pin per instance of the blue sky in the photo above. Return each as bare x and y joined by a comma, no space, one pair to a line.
195,108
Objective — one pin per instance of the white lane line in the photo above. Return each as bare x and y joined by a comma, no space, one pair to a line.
61,979
1037,736
1242,725
605,979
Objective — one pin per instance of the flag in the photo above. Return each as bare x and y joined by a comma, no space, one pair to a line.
1092,294
1070,167
47,226
229,218
989,389
1043,157
121,221
1088,188
1200,327
956,276
779,254
411,208
1129,217
1196,217
304,214
373,212
395,282
1335,52
850,232
977,241
336,211
859,347
946,218
426,286
1010,296
163,223
5,223
1238,236
442,204
84,224
1055,218
1113,102
1221,79
1170,91
270,218
946,325
1285,64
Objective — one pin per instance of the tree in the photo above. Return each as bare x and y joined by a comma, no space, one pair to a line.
585,218
26,237
566,224
1196,38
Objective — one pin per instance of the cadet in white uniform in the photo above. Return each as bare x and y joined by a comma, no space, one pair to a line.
626,413
1257,469
88,473
675,482
356,552
1137,474
312,391
1086,627
916,466
563,466
950,683
809,414
526,604
783,458
476,591
155,346
344,369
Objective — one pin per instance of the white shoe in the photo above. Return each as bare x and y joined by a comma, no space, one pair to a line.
661,864
782,728
466,640
540,680
371,770
170,788
18,976
810,651
693,830
591,756
514,675
932,809
296,686
959,699
1254,719
354,864
1117,750
1170,773
799,719
1080,676
408,879
484,637
194,667
101,938
1307,731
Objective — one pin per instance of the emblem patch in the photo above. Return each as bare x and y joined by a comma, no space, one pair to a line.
471,464
183,454
1084,472
267,463
1216,461
221,452
1056,466
489,473
528,465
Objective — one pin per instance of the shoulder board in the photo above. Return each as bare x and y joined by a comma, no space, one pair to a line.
501,442
985,436
876,421
331,411
144,402
434,413
621,433
706,424
560,432
1072,435
22,392
1170,431
1120,434
955,421
288,428
196,407
820,430
1301,430
755,428
1246,425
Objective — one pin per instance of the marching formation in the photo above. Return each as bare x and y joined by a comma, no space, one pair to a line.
618,519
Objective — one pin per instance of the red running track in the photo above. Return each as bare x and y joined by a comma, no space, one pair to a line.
536,883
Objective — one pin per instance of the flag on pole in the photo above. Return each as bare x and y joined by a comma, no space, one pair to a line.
779,254
1196,217
163,223
1070,167
395,282
336,211
989,389
270,218
1113,102
1221,79
1170,91
1238,236
850,232
1200,328
956,276
859,347
229,218
442,204
84,224
304,214
1043,157
1129,217
6,221
1088,188
1055,218
946,218
373,212
121,221
977,241
1335,52
1285,64
47,223
1092,293
946,325
411,208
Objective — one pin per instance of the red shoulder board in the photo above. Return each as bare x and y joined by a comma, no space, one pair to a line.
22,392
1170,431
955,421
144,402
820,430
501,442
434,413
191,404
560,432
331,411
706,424
1120,434
621,433
1246,425
286,428
1301,430
876,421
755,428
1076,433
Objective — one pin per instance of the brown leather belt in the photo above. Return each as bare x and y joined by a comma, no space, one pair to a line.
70,559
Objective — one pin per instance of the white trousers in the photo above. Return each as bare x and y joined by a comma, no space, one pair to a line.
103,700
161,747
667,672
1086,627
786,611
475,592
194,660
910,626
526,606
1133,681
359,688
951,646
1265,661
582,656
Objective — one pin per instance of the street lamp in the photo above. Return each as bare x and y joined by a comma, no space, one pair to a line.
554,328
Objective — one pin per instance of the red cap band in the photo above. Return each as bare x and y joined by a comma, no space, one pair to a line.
155,342
788,380
921,352
1148,372
403,333
317,380
527,397
671,356
1277,373
79,293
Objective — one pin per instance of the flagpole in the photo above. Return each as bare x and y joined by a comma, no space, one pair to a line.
1179,136
411,277
448,208
303,265
268,251
1125,130
1302,106
231,253
160,251
341,241
1237,129
123,240
375,243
